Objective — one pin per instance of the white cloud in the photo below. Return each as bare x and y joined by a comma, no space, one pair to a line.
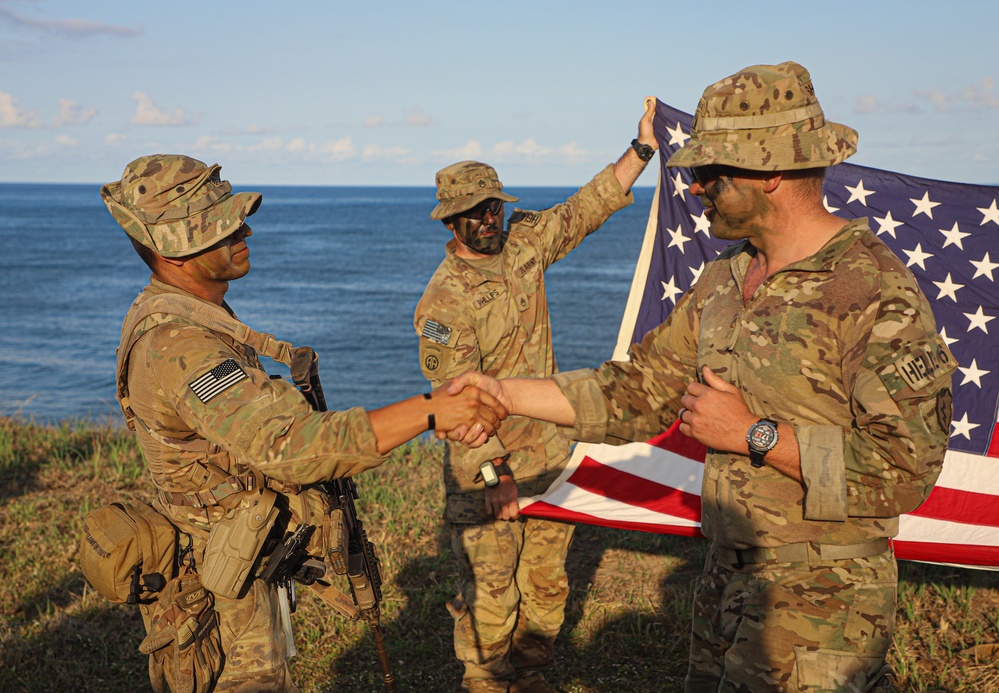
532,152
867,103
114,138
71,113
417,118
148,113
339,150
472,149
336,150
266,144
65,140
973,96
397,154
11,115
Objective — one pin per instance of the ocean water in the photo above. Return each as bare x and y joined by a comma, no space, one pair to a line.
336,268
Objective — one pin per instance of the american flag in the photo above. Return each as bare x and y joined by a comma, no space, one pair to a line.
944,232
217,380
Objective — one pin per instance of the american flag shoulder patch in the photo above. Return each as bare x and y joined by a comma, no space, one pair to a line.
436,332
217,380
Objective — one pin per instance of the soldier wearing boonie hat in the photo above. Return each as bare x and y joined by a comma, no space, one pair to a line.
212,424
465,184
485,309
176,205
764,118
785,360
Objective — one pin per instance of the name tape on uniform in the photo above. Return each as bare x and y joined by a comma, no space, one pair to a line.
217,380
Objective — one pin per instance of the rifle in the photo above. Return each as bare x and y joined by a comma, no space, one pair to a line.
360,564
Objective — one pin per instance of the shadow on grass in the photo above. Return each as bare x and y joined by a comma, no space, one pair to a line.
93,649
632,648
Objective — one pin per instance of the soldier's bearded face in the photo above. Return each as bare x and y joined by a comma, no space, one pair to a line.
226,260
481,228
734,204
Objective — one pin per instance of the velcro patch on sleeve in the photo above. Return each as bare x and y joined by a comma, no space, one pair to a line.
217,380
918,366
521,216
437,332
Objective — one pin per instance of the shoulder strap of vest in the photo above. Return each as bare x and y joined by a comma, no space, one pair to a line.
151,312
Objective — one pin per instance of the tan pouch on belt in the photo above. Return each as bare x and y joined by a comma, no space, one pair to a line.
235,542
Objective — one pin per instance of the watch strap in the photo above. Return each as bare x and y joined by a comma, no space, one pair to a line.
644,151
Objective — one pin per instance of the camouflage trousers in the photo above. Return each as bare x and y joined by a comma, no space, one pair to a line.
253,642
792,627
512,600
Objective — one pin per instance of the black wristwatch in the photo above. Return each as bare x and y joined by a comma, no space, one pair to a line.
644,151
762,438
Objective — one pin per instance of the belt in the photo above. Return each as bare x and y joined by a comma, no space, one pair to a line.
801,552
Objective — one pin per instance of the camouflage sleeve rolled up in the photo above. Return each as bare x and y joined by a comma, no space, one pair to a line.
886,462
209,388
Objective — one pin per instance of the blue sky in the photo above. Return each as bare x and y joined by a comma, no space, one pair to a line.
387,92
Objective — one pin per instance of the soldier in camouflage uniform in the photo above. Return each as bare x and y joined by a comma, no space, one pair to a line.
807,360
485,309
210,421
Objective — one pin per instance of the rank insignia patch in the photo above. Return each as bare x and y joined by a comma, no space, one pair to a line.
217,380
436,332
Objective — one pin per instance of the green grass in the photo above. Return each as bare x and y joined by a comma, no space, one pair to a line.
627,615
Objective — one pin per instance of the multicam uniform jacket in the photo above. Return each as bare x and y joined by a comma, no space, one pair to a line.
203,403
492,316
842,345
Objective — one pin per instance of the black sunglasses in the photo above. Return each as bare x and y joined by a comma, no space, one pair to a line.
493,205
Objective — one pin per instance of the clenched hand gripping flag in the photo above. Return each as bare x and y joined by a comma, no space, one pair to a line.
946,233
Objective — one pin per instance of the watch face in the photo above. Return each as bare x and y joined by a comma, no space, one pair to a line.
762,436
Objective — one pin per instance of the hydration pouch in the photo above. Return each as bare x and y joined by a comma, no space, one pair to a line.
128,552
235,542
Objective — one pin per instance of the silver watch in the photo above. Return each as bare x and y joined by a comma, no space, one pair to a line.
762,438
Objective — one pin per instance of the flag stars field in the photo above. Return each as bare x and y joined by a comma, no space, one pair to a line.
979,320
984,267
917,256
990,213
924,205
679,186
973,374
858,192
948,287
888,225
962,427
954,236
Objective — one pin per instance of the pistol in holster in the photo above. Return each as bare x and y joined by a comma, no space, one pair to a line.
235,542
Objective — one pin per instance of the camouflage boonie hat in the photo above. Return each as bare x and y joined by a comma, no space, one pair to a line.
465,184
764,118
176,205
